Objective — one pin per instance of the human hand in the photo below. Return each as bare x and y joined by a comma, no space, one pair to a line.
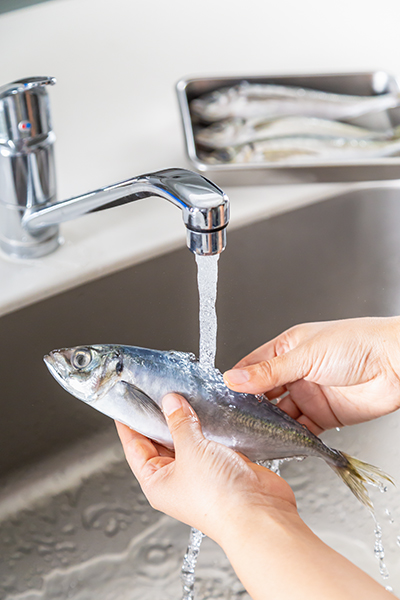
245,508
336,373
203,484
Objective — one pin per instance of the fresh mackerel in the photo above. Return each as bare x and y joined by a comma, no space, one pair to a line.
128,383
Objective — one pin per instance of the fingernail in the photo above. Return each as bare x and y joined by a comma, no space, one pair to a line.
170,404
237,376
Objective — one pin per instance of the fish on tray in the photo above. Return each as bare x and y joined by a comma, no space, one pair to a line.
237,131
248,100
128,383
300,149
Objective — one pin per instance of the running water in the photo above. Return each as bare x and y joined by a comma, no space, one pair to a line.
189,563
207,278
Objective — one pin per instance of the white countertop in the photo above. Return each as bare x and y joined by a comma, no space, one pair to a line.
115,111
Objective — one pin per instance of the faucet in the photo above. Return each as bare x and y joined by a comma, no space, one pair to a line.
30,214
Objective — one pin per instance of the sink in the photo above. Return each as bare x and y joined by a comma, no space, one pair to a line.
73,520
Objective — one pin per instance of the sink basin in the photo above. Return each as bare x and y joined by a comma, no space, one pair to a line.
72,516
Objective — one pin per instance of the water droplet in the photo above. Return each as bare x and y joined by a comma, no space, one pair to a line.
68,529
43,538
65,546
156,555
389,515
389,588
337,428
92,515
112,527
383,570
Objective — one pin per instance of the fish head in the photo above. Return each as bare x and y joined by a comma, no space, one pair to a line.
86,372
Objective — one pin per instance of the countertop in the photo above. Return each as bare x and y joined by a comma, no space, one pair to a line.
115,111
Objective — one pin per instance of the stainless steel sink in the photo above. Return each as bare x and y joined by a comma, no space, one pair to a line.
73,521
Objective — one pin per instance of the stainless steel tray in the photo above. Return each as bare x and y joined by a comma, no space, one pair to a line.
365,84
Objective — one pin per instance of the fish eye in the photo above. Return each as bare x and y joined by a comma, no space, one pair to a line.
81,358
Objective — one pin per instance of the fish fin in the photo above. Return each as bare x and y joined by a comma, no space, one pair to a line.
356,473
142,401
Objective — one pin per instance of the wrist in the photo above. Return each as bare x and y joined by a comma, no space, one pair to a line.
247,523
275,555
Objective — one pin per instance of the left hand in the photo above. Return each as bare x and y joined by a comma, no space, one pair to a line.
203,484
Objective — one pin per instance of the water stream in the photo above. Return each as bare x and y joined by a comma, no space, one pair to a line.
207,278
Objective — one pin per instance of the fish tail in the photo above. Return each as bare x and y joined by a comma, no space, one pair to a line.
355,473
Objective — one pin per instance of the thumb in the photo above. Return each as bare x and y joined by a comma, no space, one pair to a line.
182,421
269,374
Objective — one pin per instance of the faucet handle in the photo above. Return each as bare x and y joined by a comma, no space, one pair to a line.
23,85
25,110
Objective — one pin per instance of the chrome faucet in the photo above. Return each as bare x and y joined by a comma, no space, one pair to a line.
29,211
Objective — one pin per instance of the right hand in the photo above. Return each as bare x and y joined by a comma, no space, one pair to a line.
337,372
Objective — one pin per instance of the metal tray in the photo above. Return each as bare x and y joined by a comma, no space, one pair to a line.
365,84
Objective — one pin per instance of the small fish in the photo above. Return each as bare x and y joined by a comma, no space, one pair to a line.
237,131
128,383
301,149
248,100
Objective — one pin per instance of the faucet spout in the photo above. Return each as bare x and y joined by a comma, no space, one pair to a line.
30,214
205,207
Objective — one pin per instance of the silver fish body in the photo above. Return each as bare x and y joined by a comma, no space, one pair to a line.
237,131
128,383
301,149
248,100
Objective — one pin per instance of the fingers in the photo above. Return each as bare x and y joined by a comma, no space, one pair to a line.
284,342
271,366
269,374
142,455
182,422
264,352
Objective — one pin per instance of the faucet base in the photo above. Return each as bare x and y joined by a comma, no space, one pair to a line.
35,249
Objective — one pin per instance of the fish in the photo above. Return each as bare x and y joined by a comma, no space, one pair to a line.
248,100
127,383
301,149
237,131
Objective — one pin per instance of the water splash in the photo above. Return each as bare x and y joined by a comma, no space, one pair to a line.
272,465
